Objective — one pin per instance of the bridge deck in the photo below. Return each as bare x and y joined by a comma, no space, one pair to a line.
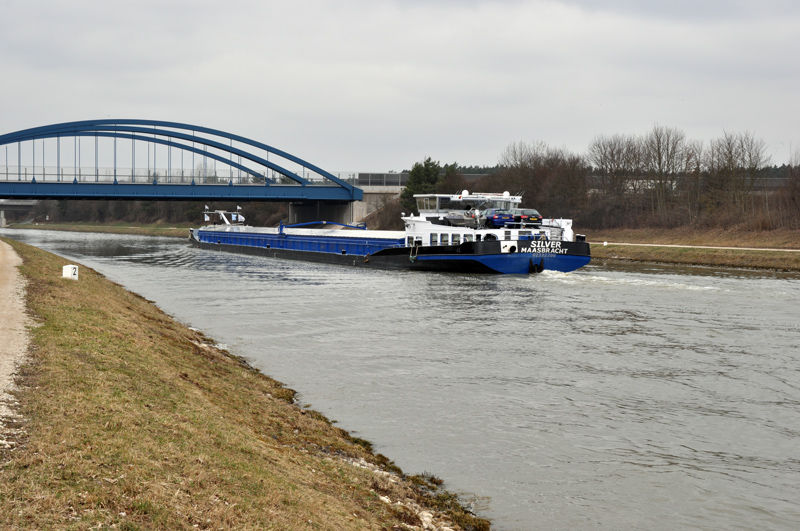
174,192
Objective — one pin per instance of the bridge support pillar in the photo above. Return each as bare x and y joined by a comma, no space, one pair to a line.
318,211
2,218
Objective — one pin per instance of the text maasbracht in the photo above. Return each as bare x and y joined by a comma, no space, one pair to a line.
551,247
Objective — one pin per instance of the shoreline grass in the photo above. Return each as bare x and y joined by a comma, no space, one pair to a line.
165,230
776,239
134,421
697,252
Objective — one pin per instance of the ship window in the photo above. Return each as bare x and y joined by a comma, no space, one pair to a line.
434,239
456,239
410,241
468,237
508,235
445,239
477,237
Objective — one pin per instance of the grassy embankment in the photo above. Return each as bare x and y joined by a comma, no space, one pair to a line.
137,422
172,230
693,253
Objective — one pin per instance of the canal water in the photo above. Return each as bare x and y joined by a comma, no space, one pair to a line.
615,397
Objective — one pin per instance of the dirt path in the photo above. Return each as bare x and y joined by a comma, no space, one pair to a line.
13,338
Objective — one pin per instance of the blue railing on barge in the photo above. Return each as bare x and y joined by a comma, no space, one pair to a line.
359,246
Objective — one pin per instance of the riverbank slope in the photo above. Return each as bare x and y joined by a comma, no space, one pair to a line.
135,421
772,250
170,230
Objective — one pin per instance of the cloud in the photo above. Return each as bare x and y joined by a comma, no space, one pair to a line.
690,10
377,85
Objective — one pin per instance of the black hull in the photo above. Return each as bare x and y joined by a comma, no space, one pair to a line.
397,261
475,257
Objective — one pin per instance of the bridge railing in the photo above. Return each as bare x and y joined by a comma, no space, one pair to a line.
148,176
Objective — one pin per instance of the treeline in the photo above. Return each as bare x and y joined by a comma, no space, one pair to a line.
659,179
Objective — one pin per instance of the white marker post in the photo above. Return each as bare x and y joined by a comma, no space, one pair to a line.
70,271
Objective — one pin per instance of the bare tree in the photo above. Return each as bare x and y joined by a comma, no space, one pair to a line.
691,178
565,192
523,154
792,189
520,163
606,155
663,150
617,159
754,159
734,162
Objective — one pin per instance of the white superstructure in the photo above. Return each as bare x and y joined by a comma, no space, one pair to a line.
433,225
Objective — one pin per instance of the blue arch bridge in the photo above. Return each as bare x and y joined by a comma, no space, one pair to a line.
159,160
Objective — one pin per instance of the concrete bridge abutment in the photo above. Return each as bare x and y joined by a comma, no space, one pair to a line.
351,212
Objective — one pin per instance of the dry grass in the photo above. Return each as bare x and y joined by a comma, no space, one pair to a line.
771,260
777,239
760,259
137,422
169,230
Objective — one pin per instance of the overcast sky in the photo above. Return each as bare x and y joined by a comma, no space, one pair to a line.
375,85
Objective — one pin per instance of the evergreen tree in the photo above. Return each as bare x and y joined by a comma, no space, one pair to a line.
452,182
422,179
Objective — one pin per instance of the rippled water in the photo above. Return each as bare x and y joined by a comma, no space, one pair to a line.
619,397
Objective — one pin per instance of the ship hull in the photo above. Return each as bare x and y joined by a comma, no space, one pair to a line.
491,257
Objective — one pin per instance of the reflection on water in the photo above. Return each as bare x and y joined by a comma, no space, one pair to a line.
621,396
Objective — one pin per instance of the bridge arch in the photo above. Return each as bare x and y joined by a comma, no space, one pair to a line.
247,156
